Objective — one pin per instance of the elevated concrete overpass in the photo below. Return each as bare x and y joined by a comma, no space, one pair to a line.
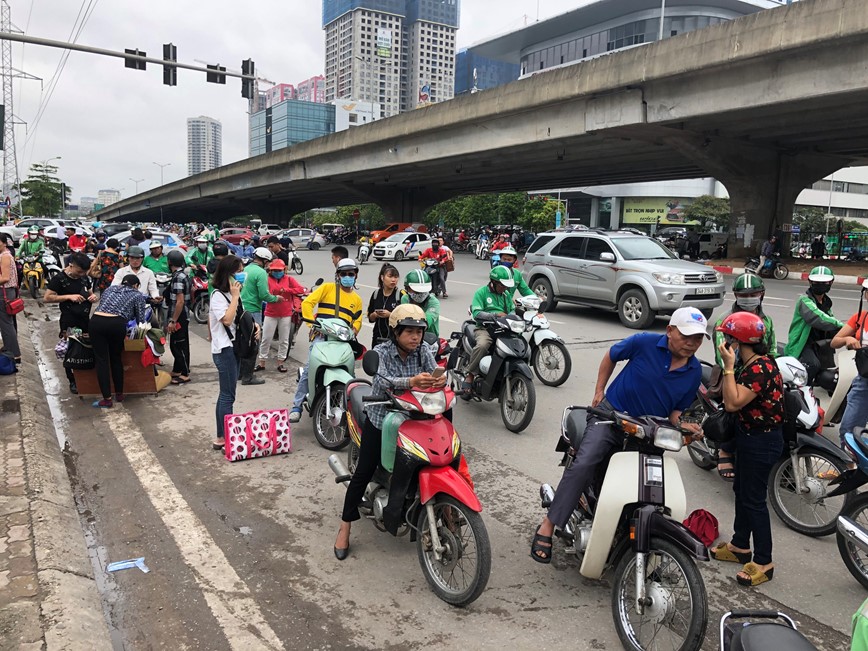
767,104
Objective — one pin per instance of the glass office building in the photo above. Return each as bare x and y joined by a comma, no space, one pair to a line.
289,123
490,73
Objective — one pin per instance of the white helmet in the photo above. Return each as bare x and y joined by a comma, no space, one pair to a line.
263,254
347,264
508,250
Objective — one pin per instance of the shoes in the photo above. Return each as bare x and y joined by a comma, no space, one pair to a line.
258,367
119,397
103,404
342,554
217,444
294,416
253,380
73,388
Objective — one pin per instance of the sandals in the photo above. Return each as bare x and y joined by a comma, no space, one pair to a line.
757,576
726,474
726,555
258,367
539,552
281,368
218,444
179,380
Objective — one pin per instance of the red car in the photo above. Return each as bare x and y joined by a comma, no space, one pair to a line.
234,235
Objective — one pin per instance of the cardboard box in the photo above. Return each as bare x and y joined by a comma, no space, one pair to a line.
134,345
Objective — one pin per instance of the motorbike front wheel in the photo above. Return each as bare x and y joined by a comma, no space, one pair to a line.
518,412
677,613
297,266
551,362
33,286
699,455
810,513
201,308
781,272
330,433
855,560
461,573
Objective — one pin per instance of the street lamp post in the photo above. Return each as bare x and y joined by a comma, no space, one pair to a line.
136,181
161,166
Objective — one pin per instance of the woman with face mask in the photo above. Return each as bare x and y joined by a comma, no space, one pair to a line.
278,316
417,291
749,291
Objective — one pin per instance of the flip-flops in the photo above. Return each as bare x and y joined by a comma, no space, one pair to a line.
724,554
179,380
757,576
281,368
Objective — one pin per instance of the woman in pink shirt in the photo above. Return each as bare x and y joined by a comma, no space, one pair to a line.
278,316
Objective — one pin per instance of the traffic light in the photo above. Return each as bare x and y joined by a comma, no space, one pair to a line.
216,77
135,64
247,68
170,73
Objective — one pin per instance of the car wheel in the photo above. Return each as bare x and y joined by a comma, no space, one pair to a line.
314,247
634,310
399,255
543,288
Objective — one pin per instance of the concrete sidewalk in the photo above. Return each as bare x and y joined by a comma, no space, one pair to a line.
48,596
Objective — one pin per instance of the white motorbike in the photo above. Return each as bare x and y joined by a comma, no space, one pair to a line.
364,252
294,261
49,263
482,247
549,356
846,372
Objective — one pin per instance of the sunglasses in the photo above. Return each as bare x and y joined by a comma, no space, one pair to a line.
345,274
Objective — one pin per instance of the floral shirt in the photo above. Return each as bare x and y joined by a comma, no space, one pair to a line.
109,263
766,411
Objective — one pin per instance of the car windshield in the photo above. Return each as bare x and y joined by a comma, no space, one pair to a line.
396,238
641,248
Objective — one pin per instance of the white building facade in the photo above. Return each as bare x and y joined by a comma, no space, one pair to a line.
204,144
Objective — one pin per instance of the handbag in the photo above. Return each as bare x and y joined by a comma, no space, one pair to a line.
450,265
95,270
14,306
257,434
720,426
79,354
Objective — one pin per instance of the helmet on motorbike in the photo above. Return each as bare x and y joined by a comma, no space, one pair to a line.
135,252
220,248
201,240
744,327
407,316
33,230
176,259
263,254
747,284
502,275
417,281
277,265
508,250
156,244
820,280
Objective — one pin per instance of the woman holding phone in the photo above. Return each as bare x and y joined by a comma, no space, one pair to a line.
382,302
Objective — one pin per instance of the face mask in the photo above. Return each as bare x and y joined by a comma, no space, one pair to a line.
750,303
506,264
347,281
277,275
241,276
33,237
419,297
436,247
820,288
203,247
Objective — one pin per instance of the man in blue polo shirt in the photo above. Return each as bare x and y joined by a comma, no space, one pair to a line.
661,379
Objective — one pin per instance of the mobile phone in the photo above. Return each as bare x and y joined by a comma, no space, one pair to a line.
439,371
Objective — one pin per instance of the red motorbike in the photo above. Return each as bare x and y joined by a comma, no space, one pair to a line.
199,298
429,480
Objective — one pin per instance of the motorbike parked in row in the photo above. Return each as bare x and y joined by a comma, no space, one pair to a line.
773,267
853,520
630,520
549,356
440,509
798,488
503,372
200,301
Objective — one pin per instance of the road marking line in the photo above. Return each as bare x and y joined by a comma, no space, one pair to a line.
227,595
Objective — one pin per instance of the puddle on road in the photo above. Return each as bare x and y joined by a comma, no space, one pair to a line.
52,385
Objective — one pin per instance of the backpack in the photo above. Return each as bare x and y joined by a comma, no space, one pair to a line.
245,343
7,365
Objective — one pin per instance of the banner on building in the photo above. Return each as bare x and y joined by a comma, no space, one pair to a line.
384,43
425,94
648,210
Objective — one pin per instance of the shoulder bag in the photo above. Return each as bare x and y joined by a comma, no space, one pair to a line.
14,306
862,353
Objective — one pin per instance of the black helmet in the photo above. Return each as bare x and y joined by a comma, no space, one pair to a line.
220,248
176,258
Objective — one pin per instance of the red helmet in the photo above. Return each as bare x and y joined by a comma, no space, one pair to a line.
745,327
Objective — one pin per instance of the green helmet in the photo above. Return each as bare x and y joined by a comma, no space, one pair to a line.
502,275
821,275
33,230
417,281
748,284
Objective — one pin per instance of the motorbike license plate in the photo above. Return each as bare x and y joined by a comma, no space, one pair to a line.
706,290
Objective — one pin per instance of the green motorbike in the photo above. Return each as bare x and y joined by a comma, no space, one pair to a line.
330,368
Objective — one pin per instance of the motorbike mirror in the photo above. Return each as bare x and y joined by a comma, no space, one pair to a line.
318,282
543,306
371,362
431,338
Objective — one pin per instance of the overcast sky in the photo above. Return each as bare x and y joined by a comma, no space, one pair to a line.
110,124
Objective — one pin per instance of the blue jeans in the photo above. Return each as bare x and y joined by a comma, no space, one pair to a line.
227,371
856,412
301,392
755,454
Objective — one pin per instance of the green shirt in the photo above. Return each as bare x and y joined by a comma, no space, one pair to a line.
432,311
485,300
809,316
254,291
197,257
30,247
520,286
157,265
859,640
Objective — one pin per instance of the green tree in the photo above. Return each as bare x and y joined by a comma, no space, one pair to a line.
710,212
41,192
371,217
811,220
539,215
511,207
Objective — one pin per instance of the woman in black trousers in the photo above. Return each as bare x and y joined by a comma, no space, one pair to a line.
108,328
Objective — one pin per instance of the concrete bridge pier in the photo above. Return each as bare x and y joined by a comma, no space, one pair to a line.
277,212
404,204
763,183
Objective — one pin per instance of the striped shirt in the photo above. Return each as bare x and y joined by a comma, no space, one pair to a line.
395,373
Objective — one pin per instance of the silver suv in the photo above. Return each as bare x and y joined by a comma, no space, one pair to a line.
633,274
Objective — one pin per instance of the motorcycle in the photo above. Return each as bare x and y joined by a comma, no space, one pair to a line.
482,246
330,367
364,252
50,264
294,261
737,633
630,519
798,487
773,267
440,509
852,535
161,308
549,356
432,268
199,298
503,372
33,274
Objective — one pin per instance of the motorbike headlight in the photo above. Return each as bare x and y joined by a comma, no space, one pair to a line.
343,333
412,447
432,403
668,278
669,439
516,326
800,376
409,406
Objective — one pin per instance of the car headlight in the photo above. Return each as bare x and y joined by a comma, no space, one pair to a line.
718,276
517,326
432,403
668,278
668,439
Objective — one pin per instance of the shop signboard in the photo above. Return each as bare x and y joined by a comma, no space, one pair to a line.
664,211
384,43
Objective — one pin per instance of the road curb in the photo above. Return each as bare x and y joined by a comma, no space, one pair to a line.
841,279
71,611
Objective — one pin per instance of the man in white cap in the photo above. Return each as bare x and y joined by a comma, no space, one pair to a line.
660,379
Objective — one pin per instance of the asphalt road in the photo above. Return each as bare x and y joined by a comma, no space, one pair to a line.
241,554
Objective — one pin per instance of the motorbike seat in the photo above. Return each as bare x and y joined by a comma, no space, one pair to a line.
862,443
469,329
764,636
574,427
356,391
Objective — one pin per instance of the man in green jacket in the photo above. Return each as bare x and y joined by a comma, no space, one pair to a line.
417,291
508,258
813,322
32,244
254,292
201,255
493,299
157,262
749,292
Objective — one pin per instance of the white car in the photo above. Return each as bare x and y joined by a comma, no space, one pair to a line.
50,225
170,240
301,238
269,229
401,246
